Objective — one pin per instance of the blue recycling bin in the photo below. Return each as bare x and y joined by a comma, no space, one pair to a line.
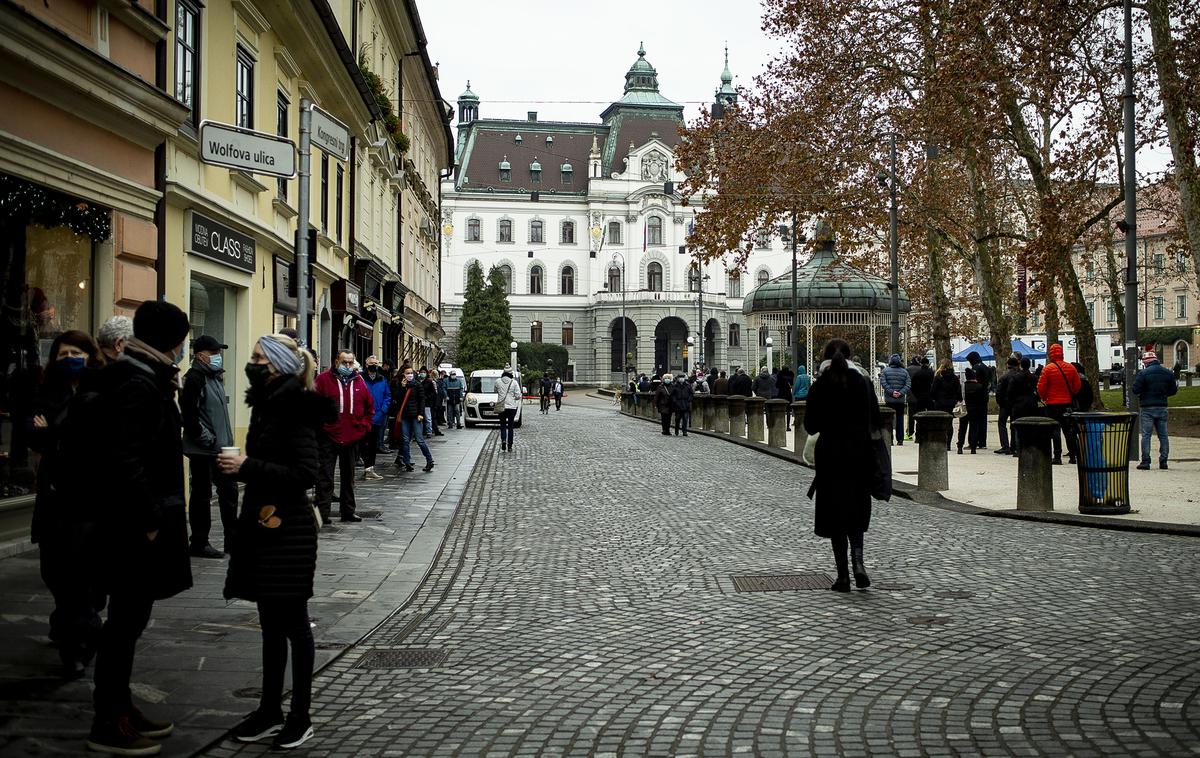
1103,461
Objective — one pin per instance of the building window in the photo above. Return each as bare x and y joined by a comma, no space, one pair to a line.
568,333
735,335
762,240
1091,309
324,193
1181,262
506,272
537,231
654,231
1181,306
614,232
654,277
535,280
243,110
735,284
535,172
535,332
187,48
1159,263
567,236
614,279
337,198
281,129
505,170
504,231
1035,319
473,231
567,173
764,276
1110,314
693,278
1158,308
1090,274
567,283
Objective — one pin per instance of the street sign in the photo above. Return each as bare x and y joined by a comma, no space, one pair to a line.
247,150
330,135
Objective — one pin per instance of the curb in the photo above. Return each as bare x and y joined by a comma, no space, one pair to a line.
906,491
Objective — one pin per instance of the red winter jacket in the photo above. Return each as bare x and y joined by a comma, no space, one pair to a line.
1056,387
355,408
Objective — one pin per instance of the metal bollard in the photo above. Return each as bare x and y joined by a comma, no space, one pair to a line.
754,418
1035,477
933,469
799,436
777,414
737,416
888,415
720,413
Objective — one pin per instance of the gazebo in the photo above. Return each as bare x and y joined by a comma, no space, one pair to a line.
834,300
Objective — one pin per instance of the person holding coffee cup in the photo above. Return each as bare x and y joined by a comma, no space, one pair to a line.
274,558
206,430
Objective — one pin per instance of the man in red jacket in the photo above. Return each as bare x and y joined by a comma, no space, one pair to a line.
1057,387
342,384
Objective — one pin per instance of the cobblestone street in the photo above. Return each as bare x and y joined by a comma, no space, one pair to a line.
583,603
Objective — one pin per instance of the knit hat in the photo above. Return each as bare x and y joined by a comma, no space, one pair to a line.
160,324
1148,357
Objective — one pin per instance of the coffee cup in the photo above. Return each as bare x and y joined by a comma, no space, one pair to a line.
232,450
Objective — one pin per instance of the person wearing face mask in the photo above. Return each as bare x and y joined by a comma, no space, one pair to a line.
274,559
206,429
409,400
356,413
139,544
430,392
381,396
74,622
112,336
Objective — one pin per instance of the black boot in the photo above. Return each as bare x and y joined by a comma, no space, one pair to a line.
861,580
843,570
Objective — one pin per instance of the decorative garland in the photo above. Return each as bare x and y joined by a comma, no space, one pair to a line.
22,202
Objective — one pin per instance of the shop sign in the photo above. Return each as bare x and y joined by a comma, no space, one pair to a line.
347,297
330,135
247,150
222,244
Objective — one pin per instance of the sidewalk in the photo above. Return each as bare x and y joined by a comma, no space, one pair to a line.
199,661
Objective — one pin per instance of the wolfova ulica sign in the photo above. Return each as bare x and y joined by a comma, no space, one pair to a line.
222,244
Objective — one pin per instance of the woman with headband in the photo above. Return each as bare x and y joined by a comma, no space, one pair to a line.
274,555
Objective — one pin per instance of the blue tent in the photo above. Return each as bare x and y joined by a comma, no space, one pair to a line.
987,354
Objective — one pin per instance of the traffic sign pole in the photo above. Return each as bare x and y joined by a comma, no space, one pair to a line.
302,317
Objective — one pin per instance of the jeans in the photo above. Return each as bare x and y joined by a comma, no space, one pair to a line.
128,615
342,456
507,418
381,441
285,621
410,428
899,410
453,413
204,475
368,447
1154,421
428,421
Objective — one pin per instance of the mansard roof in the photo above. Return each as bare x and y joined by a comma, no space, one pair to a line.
490,140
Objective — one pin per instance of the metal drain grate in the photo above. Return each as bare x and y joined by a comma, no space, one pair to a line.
403,658
782,582
929,620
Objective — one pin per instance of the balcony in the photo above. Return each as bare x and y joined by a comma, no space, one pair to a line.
646,296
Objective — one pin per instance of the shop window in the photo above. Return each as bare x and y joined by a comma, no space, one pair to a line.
210,309
187,55
568,333
243,110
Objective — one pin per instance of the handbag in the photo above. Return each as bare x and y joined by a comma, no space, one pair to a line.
1067,384
809,455
960,409
881,452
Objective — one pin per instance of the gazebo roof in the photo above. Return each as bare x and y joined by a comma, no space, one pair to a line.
824,283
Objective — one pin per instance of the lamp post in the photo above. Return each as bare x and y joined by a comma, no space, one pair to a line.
770,344
691,346
796,238
624,338
1130,224
512,358
893,245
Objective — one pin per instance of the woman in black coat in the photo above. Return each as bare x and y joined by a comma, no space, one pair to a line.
945,393
971,426
274,555
843,409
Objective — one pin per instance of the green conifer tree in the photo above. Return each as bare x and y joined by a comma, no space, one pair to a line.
485,328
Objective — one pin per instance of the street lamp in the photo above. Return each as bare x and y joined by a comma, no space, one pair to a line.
512,358
889,179
796,238
691,346
624,339
770,344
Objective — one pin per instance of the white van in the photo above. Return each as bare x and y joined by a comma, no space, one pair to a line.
480,405
452,370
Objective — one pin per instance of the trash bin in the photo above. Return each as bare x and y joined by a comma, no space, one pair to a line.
1103,462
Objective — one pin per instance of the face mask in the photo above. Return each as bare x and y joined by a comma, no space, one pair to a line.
72,367
216,361
177,357
408,378
258,373
345,371
372,369
422,376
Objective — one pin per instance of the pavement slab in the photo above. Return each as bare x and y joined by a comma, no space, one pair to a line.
584,604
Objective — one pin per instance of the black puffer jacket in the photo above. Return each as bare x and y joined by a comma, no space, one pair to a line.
281,465
946,392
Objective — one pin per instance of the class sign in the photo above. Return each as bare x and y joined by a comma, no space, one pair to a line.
220,243
330,135
247,150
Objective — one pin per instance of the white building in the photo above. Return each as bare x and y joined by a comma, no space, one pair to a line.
585,223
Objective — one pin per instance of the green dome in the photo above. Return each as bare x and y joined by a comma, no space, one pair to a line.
468,95
824,283
641,75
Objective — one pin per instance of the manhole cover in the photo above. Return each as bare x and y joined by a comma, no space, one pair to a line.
954,595
248,693
369,514
893,586
929,620
406,658
782,582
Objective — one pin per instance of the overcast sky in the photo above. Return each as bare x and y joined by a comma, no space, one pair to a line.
566,59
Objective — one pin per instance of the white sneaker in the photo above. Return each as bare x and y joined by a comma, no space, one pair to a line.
370,474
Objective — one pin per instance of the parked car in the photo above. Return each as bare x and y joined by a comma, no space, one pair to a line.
480,405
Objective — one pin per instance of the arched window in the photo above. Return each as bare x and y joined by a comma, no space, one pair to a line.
735,284
568,233
614,279
567,285
537,231
614,232
535,280
654,231
764,276
735,335
506,272
504,231
535,331
654,277
474,234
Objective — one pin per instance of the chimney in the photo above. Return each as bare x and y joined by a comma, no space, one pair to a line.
531,116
